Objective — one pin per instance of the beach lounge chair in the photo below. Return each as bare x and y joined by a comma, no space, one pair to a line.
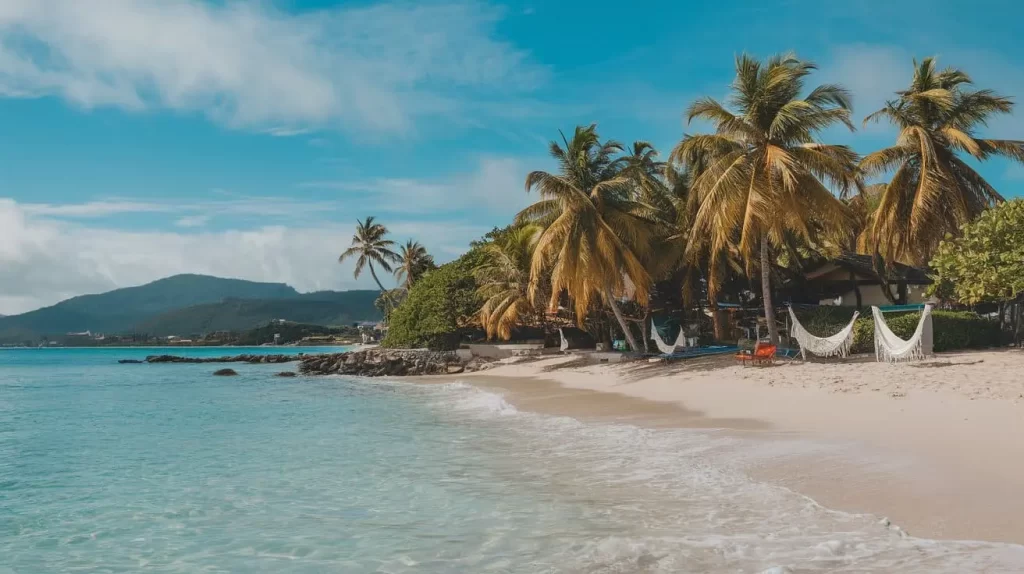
764,355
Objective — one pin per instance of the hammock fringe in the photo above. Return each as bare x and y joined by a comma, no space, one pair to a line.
838,345
890,348
664,347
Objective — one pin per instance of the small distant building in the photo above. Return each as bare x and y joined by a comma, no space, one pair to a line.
371,331
85,334
851,280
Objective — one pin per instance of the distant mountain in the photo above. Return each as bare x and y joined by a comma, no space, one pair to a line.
330,308
125,310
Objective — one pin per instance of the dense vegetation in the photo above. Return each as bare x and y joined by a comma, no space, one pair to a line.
986,262
952,329
324,308
438,308
617,236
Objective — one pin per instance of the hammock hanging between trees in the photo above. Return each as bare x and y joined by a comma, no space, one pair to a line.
837,345
891,349
664,347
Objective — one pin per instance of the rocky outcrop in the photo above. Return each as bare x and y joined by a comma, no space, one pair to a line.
225,373
383,363
374,362
254,359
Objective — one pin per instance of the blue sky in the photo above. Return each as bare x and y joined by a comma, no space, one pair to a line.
143,138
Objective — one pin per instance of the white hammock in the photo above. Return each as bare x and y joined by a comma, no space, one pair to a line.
892,349
837,345
664,347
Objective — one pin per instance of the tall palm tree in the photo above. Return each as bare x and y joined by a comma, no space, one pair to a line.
503,281
595,235
933,191
766,173
370,246
413,261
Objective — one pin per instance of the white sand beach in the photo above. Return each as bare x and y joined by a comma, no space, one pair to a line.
936,446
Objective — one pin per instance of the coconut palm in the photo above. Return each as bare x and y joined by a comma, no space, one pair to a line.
933,191
413,261
503,281
595,235
766,174
370,246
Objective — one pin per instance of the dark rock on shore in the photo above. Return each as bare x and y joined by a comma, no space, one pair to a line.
130,362
374,362
225,373
254,359
383,363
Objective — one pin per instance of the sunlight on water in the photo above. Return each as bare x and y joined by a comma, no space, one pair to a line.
165,468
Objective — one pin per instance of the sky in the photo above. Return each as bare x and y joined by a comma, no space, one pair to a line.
146,138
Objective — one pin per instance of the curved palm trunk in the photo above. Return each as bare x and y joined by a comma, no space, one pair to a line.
766,293
622,321
383,291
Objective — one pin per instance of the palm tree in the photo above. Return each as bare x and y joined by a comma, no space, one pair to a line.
933,191
370,246
414,261
503,281
766,174
595,235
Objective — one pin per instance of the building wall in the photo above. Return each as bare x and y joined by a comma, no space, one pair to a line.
873,295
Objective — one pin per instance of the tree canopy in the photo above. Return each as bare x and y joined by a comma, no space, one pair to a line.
763,173
933,191
986,262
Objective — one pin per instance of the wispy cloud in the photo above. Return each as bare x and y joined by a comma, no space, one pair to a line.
494,187
95,208
200,211
283,132
249,65
192,221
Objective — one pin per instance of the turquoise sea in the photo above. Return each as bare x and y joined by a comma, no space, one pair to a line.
165,468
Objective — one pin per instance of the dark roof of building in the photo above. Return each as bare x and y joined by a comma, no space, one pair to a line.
864,265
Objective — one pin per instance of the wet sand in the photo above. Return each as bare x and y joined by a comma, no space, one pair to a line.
936,447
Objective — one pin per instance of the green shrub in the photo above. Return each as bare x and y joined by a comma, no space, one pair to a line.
437,308
953,330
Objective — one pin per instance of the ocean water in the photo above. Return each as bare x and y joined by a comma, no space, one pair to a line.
165,468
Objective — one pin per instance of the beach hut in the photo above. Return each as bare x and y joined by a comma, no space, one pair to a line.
852,280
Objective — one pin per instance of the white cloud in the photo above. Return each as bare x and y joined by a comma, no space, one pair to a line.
248,65
876,72
94,208
494,187
192,221
200,211
284,132
873,73
44,260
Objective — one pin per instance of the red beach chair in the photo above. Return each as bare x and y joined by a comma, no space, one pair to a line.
764,355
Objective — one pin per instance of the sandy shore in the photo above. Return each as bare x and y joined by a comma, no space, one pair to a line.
937,446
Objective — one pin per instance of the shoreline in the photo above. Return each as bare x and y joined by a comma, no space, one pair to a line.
933,446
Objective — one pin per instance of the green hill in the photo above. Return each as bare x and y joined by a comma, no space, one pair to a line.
324,308
129,309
